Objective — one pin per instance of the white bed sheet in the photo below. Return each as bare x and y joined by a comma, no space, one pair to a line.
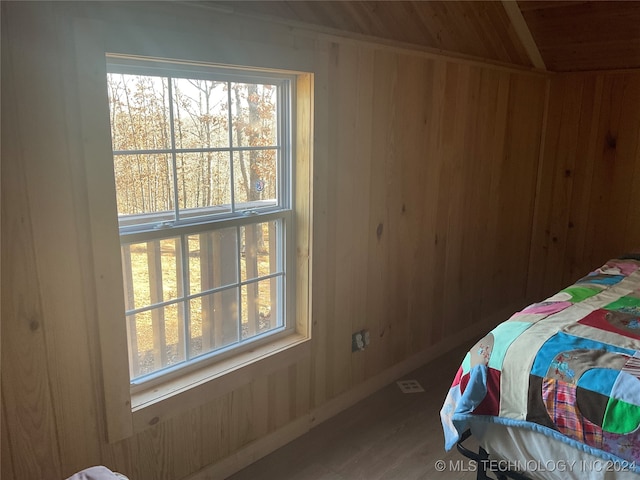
540,457
98,472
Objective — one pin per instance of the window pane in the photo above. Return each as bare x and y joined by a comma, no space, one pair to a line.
255,178
174,333
157,339
144,188
140,336
204,183
214,321
213,260
153,273
200,113
254,115
260,304
260,249
139,107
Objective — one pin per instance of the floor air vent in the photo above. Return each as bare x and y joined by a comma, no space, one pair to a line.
410,386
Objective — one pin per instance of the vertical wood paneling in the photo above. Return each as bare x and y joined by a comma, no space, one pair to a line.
6,460
542,246
586,212
30,430
408,206
453,149
25,377
470,180
483,98
240,412
632,230
321,220
121,457
446,194
280,396
490,298
601,192
517,185
425,217
436,198
55,241
154,452
332,205
576,244
351,185
301,395
462,157
422,201
379,312
215,423
186,443
622,142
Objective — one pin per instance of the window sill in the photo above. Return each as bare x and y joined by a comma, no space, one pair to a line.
197,388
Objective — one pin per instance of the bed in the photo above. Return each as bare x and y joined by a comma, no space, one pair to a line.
99,472
554,391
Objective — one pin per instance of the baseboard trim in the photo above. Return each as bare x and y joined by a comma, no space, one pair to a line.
271,442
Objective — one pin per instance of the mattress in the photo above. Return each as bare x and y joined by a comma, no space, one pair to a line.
537,456
566,369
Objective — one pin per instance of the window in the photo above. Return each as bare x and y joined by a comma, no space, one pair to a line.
203,168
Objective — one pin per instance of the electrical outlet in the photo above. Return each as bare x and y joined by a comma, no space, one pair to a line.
359,340
357,343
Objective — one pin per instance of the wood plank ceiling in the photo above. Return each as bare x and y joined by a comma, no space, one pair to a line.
479,28
589,35
570,35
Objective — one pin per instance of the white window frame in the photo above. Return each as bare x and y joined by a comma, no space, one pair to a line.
283,212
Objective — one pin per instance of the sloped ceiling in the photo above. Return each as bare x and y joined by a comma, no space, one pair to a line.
477,28
570,35
584,35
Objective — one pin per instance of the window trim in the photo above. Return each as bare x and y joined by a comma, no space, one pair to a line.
124,414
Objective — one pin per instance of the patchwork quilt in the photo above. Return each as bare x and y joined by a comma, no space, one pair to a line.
568,367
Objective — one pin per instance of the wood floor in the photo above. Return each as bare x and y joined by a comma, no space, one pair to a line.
389,435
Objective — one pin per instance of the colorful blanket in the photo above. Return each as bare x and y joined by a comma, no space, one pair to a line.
568,367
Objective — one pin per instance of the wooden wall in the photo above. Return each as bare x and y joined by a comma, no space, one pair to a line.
424,178
587,208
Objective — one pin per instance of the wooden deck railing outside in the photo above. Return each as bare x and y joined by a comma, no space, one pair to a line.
179,308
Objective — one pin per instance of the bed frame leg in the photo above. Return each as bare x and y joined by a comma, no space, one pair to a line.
482,471
482,460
